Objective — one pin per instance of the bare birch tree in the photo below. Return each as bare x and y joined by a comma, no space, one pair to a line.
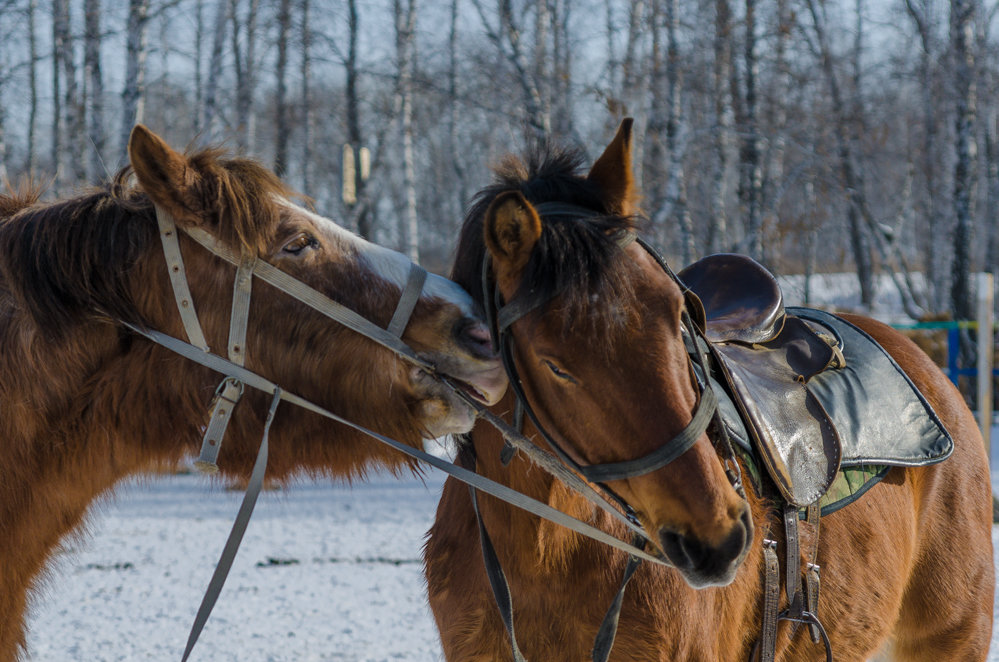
750,162
721,75
32,160
244,49
962,35
405,24
133,91
210,99
852,181
305,30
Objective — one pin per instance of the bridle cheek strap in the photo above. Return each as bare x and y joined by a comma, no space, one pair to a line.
230,390
178,279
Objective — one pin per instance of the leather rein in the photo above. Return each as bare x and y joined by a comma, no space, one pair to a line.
237,377
500,317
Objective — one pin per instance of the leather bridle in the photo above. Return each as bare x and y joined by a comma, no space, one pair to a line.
500,317
237,376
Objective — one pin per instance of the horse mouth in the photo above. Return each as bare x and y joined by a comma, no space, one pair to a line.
485,383
471,390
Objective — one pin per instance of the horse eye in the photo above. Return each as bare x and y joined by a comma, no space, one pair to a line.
300,243
558,372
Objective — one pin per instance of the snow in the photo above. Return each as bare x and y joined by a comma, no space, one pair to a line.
325,573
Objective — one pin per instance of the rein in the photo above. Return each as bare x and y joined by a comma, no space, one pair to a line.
237,376
500,317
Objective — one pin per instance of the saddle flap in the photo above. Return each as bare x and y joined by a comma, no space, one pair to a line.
796,438
742,300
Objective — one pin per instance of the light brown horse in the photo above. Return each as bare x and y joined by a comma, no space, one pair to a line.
907,569
87,402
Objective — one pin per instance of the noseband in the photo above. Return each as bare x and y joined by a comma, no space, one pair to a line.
247,266
501,316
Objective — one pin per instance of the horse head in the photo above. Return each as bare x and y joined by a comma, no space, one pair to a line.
597,344
80,263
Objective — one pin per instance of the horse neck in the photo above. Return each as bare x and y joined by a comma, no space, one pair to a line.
519,536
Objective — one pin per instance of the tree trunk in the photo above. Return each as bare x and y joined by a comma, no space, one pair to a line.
718,223
57,119
673,208
405,20
749,161
306,66
245,60
774,177
454,148
92,64
962,21
72,107
133,93
934,210
214,69
32,86
361,214
282,120
857,208
508,34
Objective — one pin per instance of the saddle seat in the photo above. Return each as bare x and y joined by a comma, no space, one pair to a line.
803,390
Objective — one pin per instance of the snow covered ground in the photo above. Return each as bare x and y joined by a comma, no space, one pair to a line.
325,573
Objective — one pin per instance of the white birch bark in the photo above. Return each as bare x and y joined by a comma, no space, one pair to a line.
405,23
208,115
133,92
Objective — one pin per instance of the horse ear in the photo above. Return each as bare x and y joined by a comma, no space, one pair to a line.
612,172
164,174
512,228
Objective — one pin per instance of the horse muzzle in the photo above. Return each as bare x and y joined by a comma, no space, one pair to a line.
704,565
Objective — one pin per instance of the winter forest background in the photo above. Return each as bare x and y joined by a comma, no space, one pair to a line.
815,135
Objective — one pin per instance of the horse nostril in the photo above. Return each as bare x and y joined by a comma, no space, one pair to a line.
474,336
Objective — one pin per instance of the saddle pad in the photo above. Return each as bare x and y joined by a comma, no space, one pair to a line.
880,415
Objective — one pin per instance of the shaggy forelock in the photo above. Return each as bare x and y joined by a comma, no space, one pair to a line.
576,258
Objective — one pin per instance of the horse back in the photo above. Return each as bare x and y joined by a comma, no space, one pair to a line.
936,523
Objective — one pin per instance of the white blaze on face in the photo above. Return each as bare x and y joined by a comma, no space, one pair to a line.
387,264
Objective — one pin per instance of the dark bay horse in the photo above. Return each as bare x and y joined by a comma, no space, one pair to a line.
87,402
907,570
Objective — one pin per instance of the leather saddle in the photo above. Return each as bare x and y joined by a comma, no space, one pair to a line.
808,389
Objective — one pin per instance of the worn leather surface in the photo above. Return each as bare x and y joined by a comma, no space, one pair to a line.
796,439
880,415
806,410
742,300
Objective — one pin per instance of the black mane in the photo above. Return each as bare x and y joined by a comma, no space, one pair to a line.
576,256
